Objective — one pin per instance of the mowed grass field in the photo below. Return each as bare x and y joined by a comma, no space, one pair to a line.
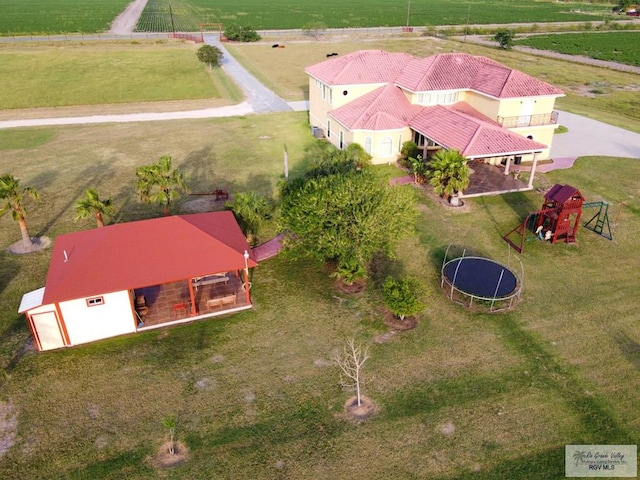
256,395
605,95
33,17
55,75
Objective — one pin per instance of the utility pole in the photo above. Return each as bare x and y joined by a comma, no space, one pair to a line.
408,11
173,25
466,29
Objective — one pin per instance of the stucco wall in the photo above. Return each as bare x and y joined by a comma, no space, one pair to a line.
88,323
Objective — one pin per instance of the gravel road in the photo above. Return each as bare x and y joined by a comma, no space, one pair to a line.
126,22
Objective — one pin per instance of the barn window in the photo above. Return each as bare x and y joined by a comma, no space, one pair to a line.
92,302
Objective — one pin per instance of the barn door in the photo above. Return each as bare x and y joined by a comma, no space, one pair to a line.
47,330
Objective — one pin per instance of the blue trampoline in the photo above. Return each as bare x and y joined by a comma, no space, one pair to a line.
478,278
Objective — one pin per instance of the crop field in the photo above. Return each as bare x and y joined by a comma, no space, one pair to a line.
61,16
285,14
19,17
621,47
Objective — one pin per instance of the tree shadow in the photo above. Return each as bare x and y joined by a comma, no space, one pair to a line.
629,348
9,268
89,177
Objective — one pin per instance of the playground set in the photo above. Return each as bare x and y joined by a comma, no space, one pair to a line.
559,218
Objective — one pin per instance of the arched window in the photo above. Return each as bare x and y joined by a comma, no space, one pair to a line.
368,144
386,147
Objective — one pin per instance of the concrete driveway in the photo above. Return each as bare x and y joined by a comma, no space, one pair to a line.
587,137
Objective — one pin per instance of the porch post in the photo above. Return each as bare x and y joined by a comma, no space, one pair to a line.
507,165
533,169
192,297
246,277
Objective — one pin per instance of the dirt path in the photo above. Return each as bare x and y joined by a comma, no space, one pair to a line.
126,22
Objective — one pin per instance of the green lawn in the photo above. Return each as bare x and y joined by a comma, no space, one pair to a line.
54,75
256,396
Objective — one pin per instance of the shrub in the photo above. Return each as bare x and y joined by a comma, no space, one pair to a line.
400,296
243,33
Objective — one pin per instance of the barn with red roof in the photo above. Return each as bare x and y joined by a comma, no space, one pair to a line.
140,275
489,112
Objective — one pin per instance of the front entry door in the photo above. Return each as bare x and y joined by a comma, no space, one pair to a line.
47,328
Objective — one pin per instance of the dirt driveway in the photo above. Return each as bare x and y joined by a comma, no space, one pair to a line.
126,22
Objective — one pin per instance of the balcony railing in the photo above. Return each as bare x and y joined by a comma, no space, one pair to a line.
529,120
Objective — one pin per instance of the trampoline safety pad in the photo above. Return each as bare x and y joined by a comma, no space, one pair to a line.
481,277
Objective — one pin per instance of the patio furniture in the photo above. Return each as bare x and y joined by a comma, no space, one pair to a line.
180,310
141,306
223,301
210,280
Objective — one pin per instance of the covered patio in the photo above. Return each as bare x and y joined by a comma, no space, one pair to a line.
171,302
487,179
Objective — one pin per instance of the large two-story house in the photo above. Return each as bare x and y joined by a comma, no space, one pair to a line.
480,107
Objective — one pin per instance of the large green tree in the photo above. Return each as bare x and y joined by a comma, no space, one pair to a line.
160,183
448,173
210,55
91,204
12,199
347,216
251,211
504,38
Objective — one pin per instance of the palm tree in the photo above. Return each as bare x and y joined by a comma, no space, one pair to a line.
251,211
449,173
12,197
160,184
90,203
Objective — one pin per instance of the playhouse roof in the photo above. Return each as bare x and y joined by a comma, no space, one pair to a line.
144,253
561,193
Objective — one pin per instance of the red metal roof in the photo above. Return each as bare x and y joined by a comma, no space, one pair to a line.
144,253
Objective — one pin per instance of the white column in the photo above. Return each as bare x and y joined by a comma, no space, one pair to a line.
533,169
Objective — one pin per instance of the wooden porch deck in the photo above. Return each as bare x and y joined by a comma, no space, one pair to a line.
164,301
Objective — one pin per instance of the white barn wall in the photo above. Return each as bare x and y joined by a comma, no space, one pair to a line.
86,324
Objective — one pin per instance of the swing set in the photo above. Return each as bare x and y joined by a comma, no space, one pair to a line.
559,218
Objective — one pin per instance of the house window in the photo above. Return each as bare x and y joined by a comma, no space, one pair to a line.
386,147
329,129
345,93
341,140
95,301
367,145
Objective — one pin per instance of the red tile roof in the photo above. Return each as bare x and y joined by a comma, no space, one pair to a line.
361,67
385,108
140,254
444,71
454,128
460,71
